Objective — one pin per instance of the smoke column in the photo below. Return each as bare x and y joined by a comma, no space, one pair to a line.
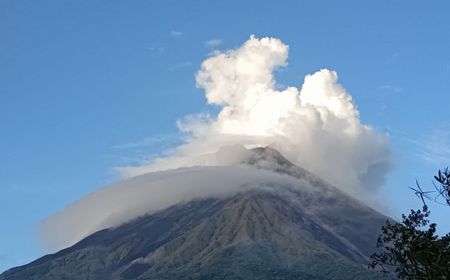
316,126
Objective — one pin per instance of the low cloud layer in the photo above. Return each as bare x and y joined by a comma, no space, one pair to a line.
123,201
316,126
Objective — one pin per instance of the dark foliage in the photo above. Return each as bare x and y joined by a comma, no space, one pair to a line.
411,249
443,186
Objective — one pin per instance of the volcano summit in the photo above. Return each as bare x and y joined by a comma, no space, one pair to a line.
260,218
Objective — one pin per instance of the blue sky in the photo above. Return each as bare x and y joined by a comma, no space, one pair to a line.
86,86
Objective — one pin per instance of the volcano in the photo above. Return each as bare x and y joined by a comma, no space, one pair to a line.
304,229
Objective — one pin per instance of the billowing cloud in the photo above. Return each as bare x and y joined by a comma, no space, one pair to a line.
316,126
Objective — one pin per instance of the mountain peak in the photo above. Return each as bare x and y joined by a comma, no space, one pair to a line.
270,227
256,234
263,157
267,154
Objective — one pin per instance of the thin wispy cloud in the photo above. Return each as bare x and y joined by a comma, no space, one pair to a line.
3,257
144,151
433,147
156,51
176,34
436,147
393,88
393,58
149,141
180,65
213,43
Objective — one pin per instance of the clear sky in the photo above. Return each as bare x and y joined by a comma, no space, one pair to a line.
86,86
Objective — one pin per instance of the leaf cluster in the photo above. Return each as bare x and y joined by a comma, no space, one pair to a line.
411,249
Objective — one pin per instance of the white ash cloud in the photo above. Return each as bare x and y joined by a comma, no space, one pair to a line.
316,126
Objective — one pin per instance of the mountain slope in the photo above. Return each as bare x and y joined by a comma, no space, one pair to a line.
272,232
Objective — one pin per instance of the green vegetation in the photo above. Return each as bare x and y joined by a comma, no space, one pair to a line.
412,249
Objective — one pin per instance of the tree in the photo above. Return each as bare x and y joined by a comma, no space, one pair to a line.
411,249
442,189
